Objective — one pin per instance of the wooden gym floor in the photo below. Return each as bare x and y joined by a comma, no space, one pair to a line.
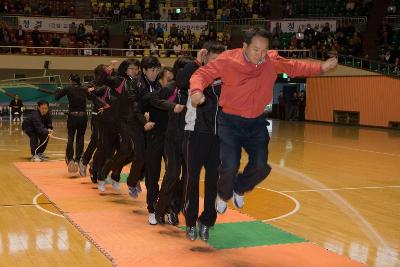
336,186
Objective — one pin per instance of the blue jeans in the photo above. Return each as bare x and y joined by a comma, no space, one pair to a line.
236,133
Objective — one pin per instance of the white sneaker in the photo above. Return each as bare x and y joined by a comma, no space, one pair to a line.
238,200
71,166
101,185
152,219
116,186
76,166
220,205
36,158
82,168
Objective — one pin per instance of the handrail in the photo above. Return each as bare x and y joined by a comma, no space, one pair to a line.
122,52
347,60
362,63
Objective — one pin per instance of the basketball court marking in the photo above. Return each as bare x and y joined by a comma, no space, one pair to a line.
34,202
338,201
340,147
10,150
338,189
296,202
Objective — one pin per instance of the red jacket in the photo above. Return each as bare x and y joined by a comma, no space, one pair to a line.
247,88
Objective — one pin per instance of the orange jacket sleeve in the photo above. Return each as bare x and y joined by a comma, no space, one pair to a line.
205,75
294,68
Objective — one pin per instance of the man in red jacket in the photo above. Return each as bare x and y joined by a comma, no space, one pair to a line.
248,76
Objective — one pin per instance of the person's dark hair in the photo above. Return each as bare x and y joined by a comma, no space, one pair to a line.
75,78
42,102
250,33
149,62
123,67
164,71
180,63
215,48
99,73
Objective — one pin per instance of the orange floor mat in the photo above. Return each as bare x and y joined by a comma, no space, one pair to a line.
118,226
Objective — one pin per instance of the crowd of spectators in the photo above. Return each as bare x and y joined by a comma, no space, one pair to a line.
175,42
325,8
79,36
388,42
221,10
321,41
38,8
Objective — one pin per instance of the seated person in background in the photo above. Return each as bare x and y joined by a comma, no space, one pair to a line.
16,108
38,126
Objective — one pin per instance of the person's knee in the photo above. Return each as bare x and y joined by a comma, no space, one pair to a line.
228,169
261,170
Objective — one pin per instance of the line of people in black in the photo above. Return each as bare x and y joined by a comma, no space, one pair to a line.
142,115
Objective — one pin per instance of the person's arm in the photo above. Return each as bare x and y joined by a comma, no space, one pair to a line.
39,126
295,68
204,76
49,122
61,92
159,99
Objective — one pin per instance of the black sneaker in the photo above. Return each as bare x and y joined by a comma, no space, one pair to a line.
191,233
203,231
160,219
172,218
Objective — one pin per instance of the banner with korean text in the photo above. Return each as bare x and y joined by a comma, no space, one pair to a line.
46,24
194,26
296,25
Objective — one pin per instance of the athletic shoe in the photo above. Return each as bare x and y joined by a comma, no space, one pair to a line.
220,205
138,187
71,166
116,185
76,166
238,200
152,219
160,219
93,175
172,218
203,231
191,232
42,155
36,158
101,185
82,168
133,192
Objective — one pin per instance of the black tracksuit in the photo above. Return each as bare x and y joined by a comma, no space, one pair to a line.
154,150
155,140
100,91
171,193
77,119
131,132
201,148
36,127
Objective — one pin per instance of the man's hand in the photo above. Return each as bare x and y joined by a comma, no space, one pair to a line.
112,66
329,64
149,125
50,134
90,89
201,55
147,116
197,98
178,108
